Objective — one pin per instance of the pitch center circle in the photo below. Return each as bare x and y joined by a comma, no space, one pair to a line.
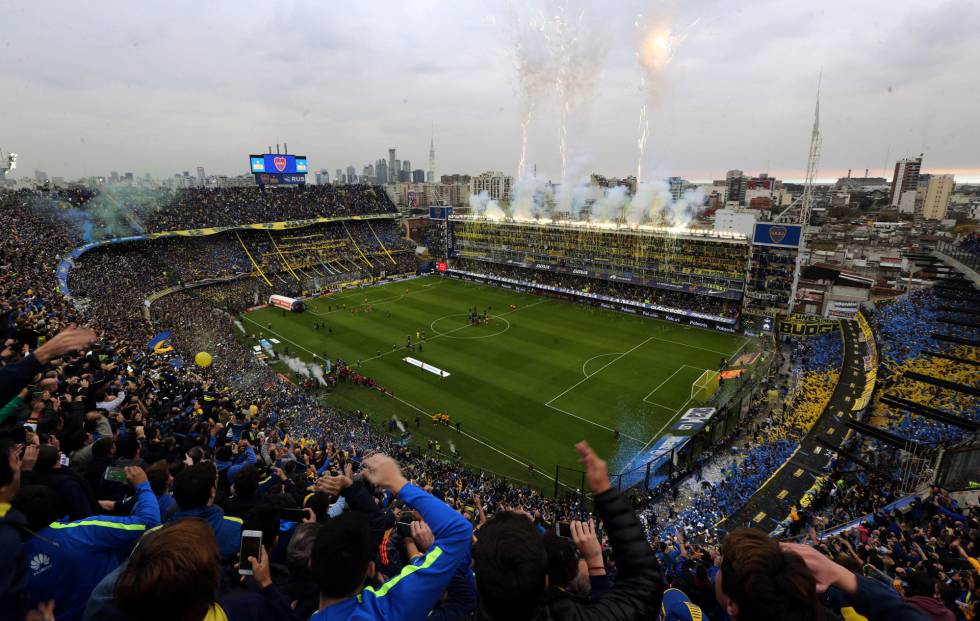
453,333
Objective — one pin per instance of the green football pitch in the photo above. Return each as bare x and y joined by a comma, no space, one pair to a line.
538,376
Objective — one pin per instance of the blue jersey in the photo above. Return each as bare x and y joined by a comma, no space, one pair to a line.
413,592
67,559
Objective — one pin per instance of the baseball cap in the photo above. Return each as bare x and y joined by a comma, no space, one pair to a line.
677,606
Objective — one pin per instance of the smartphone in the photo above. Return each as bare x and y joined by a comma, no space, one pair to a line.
31,426
293,515
251,546
563,529
404,528
115,473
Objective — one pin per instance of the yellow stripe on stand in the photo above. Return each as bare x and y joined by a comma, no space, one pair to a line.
249,255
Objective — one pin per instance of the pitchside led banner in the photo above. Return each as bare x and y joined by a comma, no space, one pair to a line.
783,235
278,164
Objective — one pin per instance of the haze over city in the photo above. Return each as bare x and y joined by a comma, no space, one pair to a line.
161,89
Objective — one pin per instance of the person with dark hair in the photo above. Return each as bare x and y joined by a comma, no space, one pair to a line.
13,525
69,486
343,556
511,562
229,462
103,453
760,580
195,488
244,493
66,560
867,597
301,588
922,592
174,576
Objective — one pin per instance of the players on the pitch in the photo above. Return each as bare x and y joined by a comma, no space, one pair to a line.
477,318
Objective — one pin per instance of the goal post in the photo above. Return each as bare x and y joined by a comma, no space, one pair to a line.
705,386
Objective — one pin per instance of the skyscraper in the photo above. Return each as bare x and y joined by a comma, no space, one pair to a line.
339,177
392,169
937,197
381,172
200,174
351,174
904,184
431,178
735,186
406,165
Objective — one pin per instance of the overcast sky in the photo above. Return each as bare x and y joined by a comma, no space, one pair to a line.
165,87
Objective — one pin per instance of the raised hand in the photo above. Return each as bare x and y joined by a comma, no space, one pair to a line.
596,471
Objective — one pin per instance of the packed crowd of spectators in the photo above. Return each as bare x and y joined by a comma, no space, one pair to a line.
113,280
819,353
906,323
127,482
755,453
202,207
677,300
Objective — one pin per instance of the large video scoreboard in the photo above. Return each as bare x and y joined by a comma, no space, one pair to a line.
276,169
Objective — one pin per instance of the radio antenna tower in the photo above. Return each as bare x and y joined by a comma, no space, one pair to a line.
432,155
813,162
806,200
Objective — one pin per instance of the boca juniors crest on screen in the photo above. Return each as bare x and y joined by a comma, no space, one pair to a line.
275,164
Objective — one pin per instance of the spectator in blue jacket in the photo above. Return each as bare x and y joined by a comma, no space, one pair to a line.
343,556
230,461
13,567
67,559
195,488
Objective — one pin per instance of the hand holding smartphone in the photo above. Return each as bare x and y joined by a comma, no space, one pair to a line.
115,473
251,546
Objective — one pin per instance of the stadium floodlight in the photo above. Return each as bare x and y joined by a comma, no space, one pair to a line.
703,388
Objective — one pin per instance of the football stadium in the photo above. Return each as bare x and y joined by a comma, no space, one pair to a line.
271,389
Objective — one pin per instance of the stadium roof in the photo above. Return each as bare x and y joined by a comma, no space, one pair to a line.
612,227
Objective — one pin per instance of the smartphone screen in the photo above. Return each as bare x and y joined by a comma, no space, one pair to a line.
404,528
251,545
564,529
293,515
115,473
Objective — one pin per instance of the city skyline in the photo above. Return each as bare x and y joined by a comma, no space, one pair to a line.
127,91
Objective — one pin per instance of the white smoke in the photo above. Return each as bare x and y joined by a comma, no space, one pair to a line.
309,370
317,372
399,424
239,325
611,204
483,205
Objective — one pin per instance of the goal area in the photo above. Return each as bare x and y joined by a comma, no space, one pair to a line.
705,386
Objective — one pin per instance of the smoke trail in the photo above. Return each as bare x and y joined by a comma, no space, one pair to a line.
239,325
399,424
657,43
534,68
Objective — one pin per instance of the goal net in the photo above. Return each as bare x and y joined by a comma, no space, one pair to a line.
705,386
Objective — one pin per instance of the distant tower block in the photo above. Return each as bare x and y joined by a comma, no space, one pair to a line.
431,175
